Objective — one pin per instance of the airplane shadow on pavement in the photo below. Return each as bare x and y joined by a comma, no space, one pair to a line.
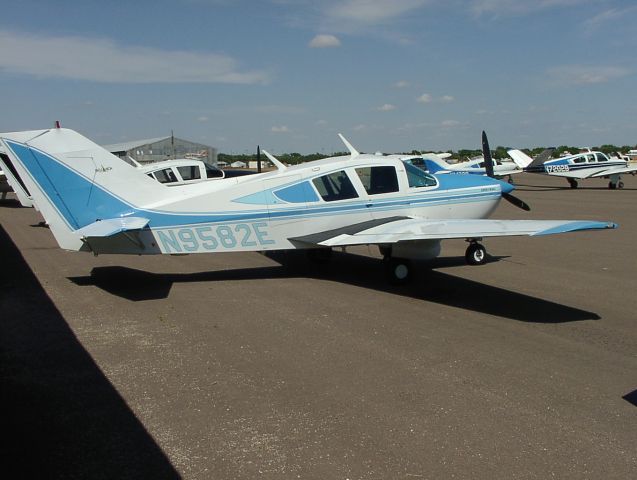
61,417
429,285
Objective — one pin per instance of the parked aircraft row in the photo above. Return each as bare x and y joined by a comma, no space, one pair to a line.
577,167
95,202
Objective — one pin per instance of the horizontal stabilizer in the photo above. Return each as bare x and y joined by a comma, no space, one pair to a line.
112,226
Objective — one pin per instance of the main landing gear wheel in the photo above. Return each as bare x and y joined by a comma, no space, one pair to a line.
613,186
476,254
397,270
572,182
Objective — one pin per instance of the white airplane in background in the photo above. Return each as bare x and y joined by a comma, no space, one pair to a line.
577,167
478,166
180,171
96,203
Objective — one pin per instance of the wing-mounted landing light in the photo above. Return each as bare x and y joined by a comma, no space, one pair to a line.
353,152
275,161
488,167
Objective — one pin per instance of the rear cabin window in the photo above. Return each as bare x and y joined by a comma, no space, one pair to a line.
189,172
335,186
212,171
579,160
377,180
165,176
601,157
419,178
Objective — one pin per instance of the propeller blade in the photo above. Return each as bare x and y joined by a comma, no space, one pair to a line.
516,201
486,154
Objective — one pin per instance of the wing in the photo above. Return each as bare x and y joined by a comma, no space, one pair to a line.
399,229
614,171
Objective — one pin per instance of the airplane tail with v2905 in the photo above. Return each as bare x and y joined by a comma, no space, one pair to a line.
93,201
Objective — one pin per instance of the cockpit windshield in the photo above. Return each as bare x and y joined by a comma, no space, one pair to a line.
419,178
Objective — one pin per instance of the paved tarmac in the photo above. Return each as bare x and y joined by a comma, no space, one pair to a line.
250,366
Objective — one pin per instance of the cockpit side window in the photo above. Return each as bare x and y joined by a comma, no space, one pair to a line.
601,157
418,178
377,180
335,186
189,172
580,159
165,176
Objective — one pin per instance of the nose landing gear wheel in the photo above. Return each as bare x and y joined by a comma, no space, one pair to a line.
476,254
397,270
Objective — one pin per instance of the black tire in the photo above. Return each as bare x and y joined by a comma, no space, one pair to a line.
572,183
620,184
612,186
397,270
476,254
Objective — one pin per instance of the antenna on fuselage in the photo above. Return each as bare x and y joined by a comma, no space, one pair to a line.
258,159
353,152
277,163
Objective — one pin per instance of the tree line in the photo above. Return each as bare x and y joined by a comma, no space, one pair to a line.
462,154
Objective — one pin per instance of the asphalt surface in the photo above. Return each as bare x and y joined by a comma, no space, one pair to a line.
252,366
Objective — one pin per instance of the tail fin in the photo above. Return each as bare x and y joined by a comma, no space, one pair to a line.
434,165
75,182
523,161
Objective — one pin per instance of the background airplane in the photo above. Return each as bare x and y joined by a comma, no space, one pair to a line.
434,163
96,203
577,167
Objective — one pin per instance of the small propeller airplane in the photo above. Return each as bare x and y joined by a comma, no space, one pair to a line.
576,167
476,166
96,203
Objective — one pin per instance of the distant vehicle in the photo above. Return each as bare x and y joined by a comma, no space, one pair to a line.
577,167
106,206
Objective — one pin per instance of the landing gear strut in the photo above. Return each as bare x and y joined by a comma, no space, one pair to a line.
476,254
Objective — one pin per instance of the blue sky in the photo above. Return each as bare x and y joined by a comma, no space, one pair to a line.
391,75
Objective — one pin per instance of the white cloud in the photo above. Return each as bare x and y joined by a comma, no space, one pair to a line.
401,84
447,99
372,12
105,61
520,7
424,98
321,122
202,119
449,123
585,75
610,15
281,129
386,107
325,41
360,127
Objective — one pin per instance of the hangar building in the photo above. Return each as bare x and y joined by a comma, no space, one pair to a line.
163,148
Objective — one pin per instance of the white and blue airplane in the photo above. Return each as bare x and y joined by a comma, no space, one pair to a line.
484,165
576,167
96,203
475,166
